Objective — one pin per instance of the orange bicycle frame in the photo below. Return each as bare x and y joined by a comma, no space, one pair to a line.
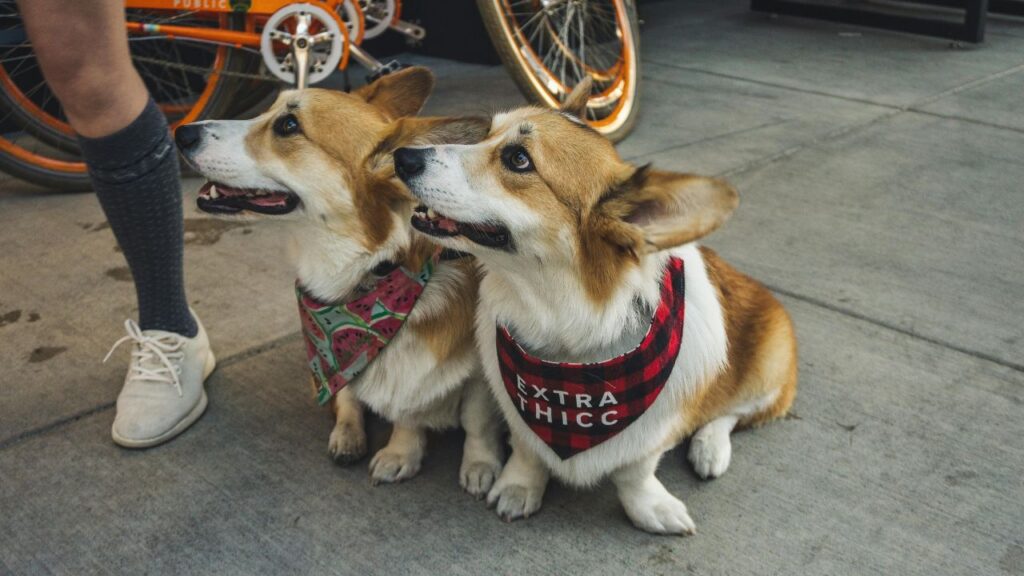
250,7
220,8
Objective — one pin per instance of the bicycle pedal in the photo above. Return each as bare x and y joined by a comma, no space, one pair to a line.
385,69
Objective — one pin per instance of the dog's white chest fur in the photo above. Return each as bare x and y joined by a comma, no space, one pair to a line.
702,355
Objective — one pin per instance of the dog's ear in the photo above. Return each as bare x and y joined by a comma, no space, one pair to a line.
654,210
576,102
401,93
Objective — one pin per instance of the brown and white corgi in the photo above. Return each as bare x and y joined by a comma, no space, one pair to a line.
590,266
320,161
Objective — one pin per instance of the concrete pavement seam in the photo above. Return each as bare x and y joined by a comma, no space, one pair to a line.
892,327
858,126
707,139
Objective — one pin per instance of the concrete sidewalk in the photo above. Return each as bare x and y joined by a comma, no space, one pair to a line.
881,177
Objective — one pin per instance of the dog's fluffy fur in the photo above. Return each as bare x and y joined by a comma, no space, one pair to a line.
327,156
582,239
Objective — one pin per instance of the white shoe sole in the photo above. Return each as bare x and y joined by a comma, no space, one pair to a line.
178,428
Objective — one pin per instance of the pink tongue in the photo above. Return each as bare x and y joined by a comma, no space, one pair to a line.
268,200
447,224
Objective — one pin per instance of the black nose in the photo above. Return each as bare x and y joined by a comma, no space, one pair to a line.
409,162
188,136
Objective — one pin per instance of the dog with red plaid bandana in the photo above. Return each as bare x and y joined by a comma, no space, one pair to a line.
606,333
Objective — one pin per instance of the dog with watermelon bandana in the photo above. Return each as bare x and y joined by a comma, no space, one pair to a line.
387,316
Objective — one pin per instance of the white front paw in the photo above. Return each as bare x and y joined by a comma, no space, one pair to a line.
659,512
477,477
394,466
347,443
710,454
514,501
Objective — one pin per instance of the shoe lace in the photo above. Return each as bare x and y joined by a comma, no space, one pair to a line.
154,358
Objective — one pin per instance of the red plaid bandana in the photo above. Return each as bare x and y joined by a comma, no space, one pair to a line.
573,407
343,338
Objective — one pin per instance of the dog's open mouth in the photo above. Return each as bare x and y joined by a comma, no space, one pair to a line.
221,199
486,234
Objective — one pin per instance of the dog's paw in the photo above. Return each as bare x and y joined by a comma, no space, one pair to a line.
514,501
347,443
390,466
659,513
477,477
710,452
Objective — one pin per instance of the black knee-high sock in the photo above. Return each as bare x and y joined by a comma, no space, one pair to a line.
135,174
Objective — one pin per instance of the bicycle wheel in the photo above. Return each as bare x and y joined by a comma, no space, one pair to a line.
549,45
24,157
379,14
188,79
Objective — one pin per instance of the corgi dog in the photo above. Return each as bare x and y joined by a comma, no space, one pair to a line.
607,335
319,161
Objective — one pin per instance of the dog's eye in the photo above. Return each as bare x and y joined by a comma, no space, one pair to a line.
517,160
286,125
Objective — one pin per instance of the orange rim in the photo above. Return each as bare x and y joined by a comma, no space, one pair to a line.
40,160
398,12
29,106
624,79
358,40
208,90
619,64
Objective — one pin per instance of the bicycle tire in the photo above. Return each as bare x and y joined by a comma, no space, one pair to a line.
505,36
66,176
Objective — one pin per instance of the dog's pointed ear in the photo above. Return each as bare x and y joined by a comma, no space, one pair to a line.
576,102
401,93
654,210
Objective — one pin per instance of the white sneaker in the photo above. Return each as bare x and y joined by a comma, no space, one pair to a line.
163,391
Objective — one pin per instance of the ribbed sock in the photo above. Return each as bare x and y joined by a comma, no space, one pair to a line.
135,174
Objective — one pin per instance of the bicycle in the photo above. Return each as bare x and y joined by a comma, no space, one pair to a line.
219,58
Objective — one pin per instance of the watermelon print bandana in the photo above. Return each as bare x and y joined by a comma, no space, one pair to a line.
343,338
573,407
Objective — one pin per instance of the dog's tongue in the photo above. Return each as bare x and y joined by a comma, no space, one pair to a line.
447,224
272,199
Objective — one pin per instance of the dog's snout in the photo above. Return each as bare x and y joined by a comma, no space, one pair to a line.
188,136
409,162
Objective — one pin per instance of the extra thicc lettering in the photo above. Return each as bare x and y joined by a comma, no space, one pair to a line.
560,402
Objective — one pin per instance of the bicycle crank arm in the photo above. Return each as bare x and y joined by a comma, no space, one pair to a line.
364,58
408,29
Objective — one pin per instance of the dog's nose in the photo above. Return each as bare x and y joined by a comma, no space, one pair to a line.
187,136
409,162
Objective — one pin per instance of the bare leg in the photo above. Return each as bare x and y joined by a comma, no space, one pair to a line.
482,453
82,48
402,457
348,439
519,491
647,503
